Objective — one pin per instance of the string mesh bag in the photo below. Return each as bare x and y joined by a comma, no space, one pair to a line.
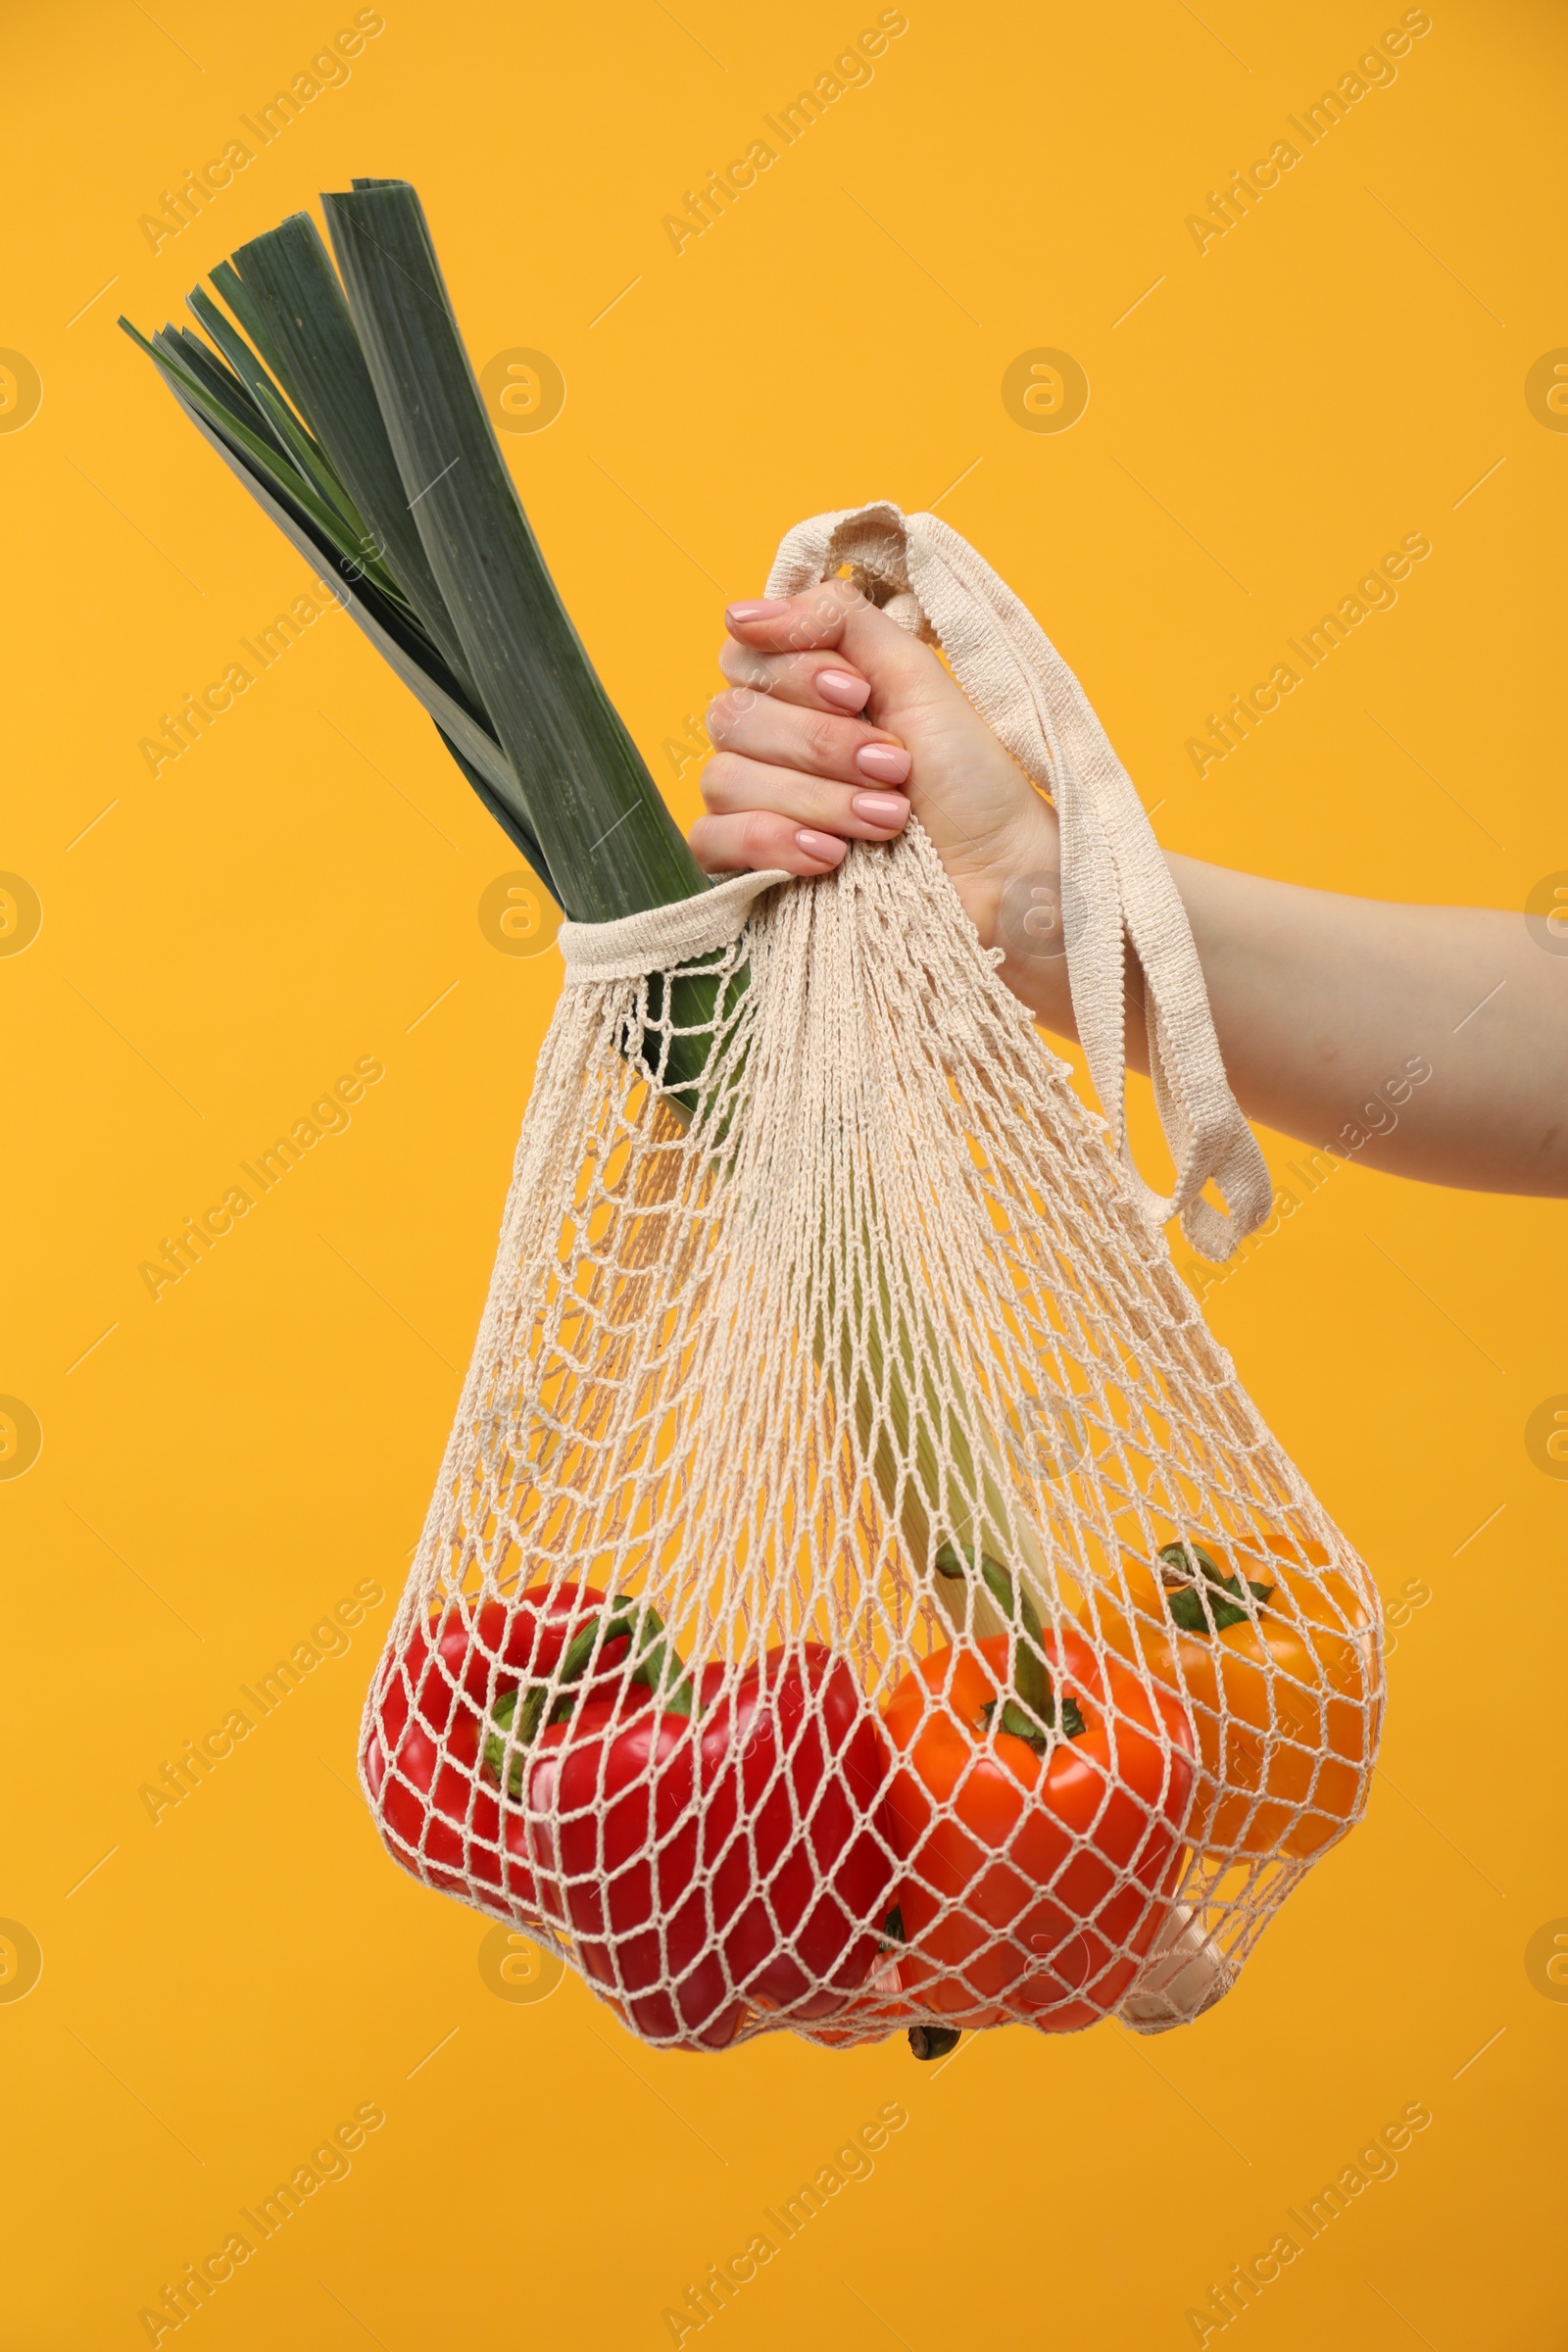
858,1594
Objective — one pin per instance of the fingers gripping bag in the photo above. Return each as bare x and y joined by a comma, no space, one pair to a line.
857,1592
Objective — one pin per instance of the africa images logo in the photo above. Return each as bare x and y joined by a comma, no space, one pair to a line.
182,1252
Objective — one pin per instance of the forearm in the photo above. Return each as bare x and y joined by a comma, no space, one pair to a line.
1430,1040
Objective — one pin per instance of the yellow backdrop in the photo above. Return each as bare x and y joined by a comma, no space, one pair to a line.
1001,262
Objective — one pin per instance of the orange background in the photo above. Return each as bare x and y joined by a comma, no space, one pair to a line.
300,890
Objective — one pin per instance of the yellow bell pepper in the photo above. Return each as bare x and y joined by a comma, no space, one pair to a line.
1277,1660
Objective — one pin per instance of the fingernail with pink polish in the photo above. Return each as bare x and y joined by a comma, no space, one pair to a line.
820,845
841,686
759,608
883,763
887,808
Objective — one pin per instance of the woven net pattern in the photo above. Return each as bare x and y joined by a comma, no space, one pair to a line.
858,1590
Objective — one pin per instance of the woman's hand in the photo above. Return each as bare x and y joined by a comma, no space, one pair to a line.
1328,1010
837,725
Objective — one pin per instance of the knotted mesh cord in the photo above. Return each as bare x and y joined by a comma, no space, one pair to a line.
886,1289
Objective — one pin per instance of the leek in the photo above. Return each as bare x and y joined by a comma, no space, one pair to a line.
344,400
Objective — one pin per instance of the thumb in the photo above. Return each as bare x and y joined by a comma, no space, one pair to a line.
905,676
980,810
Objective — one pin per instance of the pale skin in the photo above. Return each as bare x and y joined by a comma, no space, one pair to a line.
838,725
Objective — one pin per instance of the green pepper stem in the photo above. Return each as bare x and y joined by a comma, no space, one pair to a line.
933,2041
1200,1598
654,1661
1029,1710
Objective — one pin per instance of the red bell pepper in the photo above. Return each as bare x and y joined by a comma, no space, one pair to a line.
438,1816
1038,1809
726,1847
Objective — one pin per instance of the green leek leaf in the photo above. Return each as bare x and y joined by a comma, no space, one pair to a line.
267,460
398,640
291,286
583,778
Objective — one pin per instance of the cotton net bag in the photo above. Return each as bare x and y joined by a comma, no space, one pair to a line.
857,1592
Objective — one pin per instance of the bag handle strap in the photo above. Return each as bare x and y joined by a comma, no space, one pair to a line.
1115,885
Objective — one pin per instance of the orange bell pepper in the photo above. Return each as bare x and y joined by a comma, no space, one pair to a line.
1038,1809
1279,1673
